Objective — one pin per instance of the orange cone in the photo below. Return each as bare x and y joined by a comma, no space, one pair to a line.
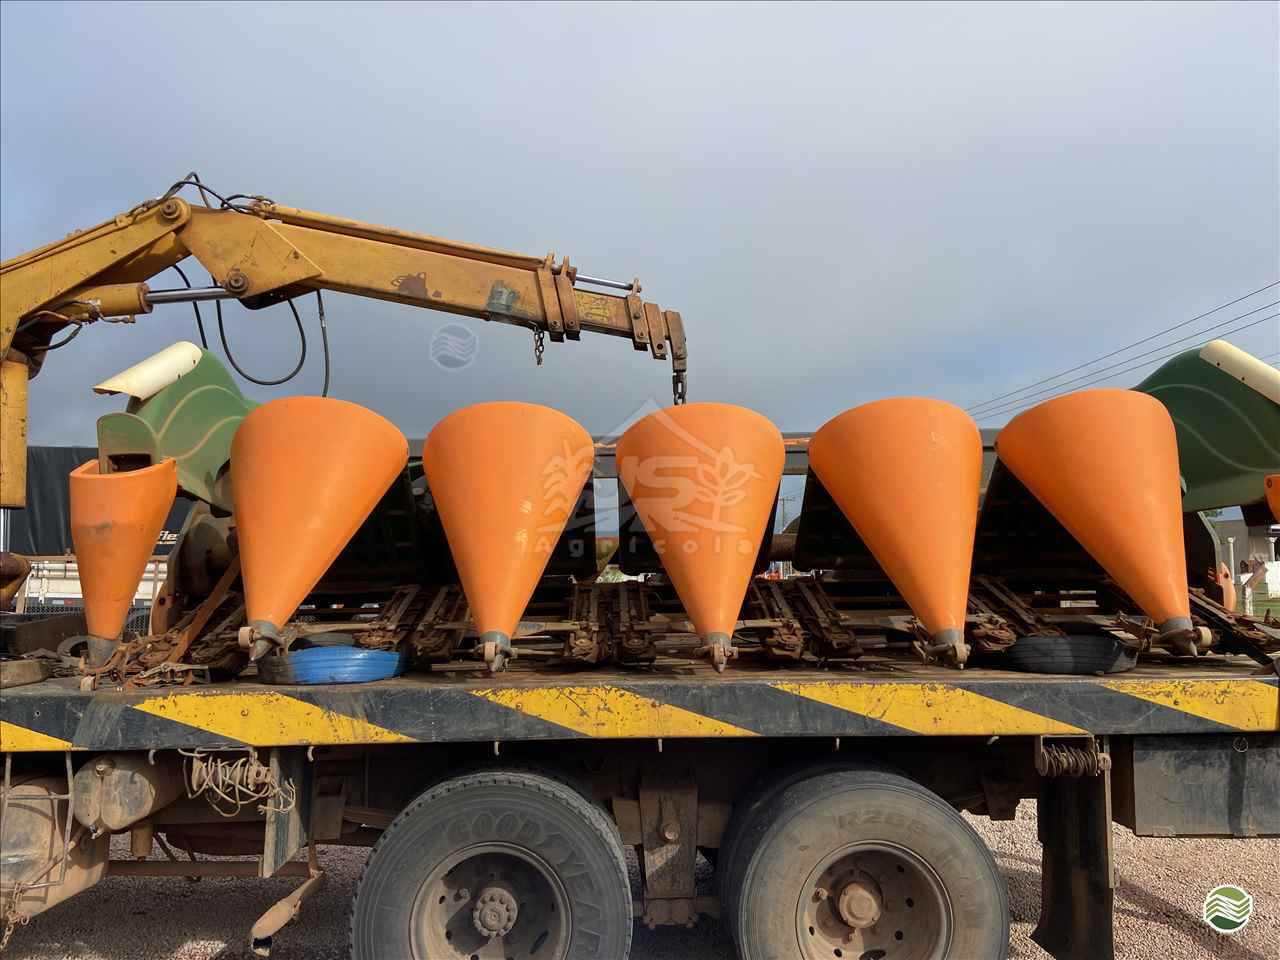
906,473
305,473
703,477
115,520
504,477
1105,464
1273,495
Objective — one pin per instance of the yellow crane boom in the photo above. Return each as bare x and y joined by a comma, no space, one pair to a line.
260,253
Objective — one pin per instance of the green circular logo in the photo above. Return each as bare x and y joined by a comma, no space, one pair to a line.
1227,909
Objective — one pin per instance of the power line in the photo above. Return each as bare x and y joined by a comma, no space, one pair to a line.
1136,343
1147,353
1016,405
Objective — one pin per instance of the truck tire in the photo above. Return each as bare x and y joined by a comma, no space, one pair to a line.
1079,655
730,863
865,863
495,864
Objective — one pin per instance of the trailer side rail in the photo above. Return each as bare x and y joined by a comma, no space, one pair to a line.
54,715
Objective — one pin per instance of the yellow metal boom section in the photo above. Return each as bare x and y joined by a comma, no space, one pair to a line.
263,253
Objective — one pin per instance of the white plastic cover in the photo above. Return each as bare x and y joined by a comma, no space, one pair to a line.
150,376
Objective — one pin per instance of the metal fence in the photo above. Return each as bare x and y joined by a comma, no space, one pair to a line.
138,620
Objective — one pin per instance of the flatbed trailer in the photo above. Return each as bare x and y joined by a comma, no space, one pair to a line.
891,698
677,759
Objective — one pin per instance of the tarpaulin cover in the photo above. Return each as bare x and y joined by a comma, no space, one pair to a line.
43,529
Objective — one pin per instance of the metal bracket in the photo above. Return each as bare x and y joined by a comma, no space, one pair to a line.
786,640
61,827
288,827
669,827
589,642
283,911
564,277
679,356
823,619
635,313
437,632
1077,874
632,643
550,299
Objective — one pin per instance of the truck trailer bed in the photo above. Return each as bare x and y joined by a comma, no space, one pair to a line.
878,697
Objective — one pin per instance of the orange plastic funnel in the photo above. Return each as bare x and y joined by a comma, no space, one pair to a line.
305,473
703,478
1273,495
906,473
1105,464
505,478
115,520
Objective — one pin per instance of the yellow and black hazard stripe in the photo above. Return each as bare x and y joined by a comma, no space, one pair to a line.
47,716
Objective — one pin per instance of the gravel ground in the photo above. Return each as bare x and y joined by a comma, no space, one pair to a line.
1162,886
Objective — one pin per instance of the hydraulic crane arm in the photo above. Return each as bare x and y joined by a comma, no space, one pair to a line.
262,253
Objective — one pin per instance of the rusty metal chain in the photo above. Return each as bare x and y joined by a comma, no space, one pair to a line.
539,344
10,918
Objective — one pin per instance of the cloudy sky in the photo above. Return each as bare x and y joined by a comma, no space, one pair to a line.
844,202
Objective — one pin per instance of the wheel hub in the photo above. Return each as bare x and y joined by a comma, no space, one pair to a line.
873,899
860,902
495,911
492,901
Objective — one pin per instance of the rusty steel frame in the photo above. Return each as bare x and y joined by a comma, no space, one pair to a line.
67,843
200,868
818,618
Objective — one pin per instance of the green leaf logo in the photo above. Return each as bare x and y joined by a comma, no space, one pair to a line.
1227,909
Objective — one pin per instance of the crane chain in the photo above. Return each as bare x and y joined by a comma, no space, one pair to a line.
539,344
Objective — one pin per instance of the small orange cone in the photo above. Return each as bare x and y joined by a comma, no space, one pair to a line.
1105,464
305,473
1273,495
906,472
703,477
505,478
115,520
